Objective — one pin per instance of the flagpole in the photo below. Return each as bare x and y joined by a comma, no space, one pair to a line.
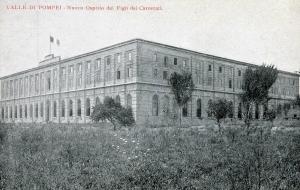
50,45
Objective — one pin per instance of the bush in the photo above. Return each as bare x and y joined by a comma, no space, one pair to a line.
270,115
125,117
113,112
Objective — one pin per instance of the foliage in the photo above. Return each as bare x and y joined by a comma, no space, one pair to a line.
182,86
114,112
219,109
279,109
270,115
76,157
297,100
257,82
286,108
125,117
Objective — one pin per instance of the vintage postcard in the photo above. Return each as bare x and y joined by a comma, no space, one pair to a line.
149,94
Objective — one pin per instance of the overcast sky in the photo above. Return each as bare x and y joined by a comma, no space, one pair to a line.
253,31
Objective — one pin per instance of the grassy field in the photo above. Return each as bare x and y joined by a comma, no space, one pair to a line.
89,157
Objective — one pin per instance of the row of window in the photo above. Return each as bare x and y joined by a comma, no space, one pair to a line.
37,110
36,84
165,110
165,107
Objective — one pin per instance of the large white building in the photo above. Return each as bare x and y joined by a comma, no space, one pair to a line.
136,74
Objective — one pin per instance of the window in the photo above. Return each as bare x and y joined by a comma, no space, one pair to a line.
31,111
165,61
88,73
184,63
155,105
240,111
36,110
118,58
107,60
209,67
11,88
37,83
2,113
11,112
155,73
97,101
16,112
257,110
55,79
209,81
70,108
118,74
20,111
165,75
79,75
175,61
63,109
129,72
71,77
199,108
54,109
88,107
21,87
78,107
118,100
209,114
97,70
42,110
16,88
129,56
220,69
48,80
231,108
129,101
165,106
63,78
230,83
155,57
239,73
25,114
184,110
42,82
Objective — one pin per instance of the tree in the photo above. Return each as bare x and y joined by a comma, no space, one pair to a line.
125,117
271,115
279,109
297,101
257,82
113,112
286,108
182,86
219,109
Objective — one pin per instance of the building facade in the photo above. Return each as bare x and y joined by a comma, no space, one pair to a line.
136,74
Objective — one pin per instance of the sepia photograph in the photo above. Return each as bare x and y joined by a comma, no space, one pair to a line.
150,94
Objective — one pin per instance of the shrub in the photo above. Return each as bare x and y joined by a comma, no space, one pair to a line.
113,112
219,109
125,117
271,115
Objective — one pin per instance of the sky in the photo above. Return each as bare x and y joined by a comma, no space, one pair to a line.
253,31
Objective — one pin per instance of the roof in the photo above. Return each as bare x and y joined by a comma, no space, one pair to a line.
143,41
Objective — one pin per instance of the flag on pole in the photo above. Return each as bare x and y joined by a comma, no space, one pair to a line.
57,42
51,39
